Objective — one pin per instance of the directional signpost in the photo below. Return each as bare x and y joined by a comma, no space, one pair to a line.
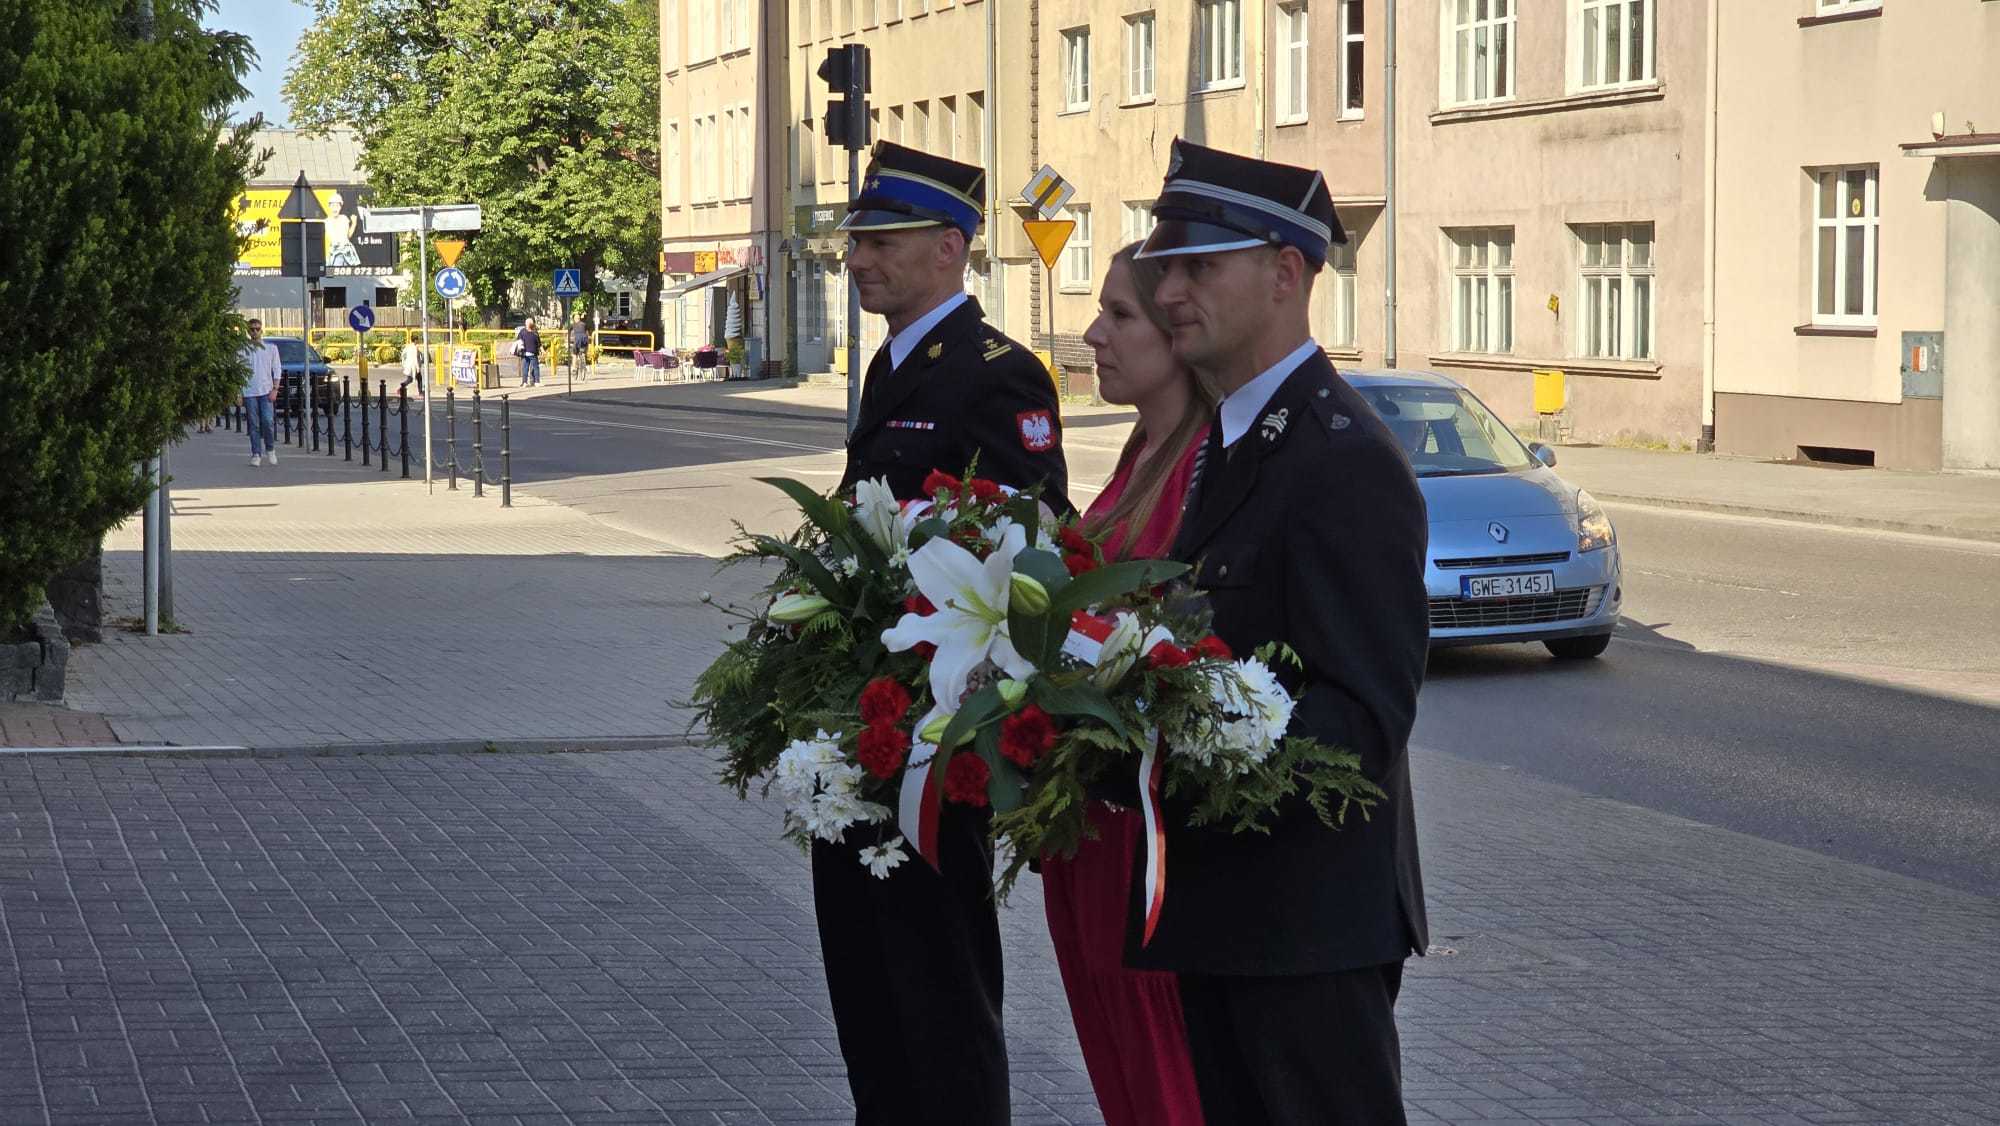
421,221
569,283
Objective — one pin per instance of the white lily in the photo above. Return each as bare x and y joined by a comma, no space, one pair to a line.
879,513
970,625
1123,648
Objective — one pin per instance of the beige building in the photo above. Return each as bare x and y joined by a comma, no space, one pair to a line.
1857,197
722,190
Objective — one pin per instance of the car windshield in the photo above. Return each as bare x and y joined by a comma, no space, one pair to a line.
1446,432
291,350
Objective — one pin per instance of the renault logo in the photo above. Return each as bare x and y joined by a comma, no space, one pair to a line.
1498,531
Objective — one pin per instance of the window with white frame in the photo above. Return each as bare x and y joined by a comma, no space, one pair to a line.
705,159
1479,50
1137,221
1482,288
670,165
1076,268
731,26
1219,44
1139,56
1342,283
1293,94
1353,80
1847,231
1076,69
1615,291
701,31
1612,41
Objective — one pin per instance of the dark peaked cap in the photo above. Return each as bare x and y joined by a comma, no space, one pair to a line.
906,188
1214,201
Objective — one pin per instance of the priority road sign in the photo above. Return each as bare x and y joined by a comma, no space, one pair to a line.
1048,192
569,282
451,283
361,318
1049,237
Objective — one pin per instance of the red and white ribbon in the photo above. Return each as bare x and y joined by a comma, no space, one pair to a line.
919,804
1152,771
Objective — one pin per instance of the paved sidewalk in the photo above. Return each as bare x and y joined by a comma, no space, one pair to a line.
328,604
611,938
40,725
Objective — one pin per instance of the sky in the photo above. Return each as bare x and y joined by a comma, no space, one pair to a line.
274,27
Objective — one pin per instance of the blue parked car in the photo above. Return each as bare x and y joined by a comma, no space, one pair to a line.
1516,554
298,360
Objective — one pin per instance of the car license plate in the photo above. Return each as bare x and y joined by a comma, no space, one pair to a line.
1507,586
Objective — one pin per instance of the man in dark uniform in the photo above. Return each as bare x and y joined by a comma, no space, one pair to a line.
1305,527
913,962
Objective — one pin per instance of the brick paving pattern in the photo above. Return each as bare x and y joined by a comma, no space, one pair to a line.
40,725
611,938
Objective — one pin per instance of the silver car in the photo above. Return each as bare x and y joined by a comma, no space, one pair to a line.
1516,554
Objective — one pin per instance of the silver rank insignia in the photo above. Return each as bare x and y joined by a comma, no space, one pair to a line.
995,349
1341,422
1274,423
935,351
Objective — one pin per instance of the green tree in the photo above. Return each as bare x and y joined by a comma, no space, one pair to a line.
117,170
544,112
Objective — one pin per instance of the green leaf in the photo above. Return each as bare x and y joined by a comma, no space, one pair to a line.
1111,581
977,709
1043,567
1082,699
1029,633
814,572
926,530
1027,512
1008,787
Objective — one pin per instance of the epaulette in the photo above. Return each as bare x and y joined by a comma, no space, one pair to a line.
995,349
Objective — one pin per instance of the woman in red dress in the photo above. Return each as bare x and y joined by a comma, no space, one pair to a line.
1129,1021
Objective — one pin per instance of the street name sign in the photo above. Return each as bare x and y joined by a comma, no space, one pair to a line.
569,282
361,318
410,220
1049,237
451,283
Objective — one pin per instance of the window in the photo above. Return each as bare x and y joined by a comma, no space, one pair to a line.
947,123
1292,90
670,166
808,155
1343,287
1139,57
1846,250
1219,62
805,21
624,306
1615,291
734,27
895,132
385,297
1076,270
1138,221
975,126
1352,78
920,125
334,297
1614,42
746,157
1482,289
701,31
1076,69
1480,53
670,34
1834,7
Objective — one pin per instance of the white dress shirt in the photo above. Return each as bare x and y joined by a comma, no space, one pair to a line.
903,343
1240,410
265,368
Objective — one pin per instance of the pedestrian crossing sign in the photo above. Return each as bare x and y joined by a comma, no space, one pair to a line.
569,282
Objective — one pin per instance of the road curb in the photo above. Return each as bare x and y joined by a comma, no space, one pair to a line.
1822,519
339,750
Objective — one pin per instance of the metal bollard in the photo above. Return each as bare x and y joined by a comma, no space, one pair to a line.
478,454
312,412
451,436
506,455
364,422
382,421
403,424
332,403
285,416
346,419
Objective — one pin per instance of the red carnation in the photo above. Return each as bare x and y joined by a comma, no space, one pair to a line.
924,649
940,480
1167,655
881,749
1077,563
1073,540
965,779
1026,736
918,604
883,701
1214,648
985,490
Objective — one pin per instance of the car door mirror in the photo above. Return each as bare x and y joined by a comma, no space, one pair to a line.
1543,453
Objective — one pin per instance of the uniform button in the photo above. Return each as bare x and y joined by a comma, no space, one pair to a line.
1223,570
1322,392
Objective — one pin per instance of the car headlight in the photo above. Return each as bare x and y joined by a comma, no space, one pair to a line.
1593,527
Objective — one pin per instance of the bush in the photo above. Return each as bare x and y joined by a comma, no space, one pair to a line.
116,177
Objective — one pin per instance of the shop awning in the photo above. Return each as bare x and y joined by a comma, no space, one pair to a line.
703,282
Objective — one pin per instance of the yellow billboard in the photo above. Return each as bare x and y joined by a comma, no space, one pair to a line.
349,253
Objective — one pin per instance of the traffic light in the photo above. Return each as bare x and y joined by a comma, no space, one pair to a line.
846,73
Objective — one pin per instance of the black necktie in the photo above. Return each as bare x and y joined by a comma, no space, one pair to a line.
1207,453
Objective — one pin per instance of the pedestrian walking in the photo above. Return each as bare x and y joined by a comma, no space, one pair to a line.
260,393
413,363
528,346
579,348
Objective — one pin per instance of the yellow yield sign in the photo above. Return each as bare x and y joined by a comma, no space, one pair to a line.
1049,237
449,249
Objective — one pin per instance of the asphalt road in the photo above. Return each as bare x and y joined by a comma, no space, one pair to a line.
1831,689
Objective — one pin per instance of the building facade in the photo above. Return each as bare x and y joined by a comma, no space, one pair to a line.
1857,198
722,194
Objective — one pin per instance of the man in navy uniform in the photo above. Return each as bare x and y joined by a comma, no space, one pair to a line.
1304,527
913,962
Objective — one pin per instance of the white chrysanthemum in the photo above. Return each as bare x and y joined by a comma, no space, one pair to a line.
880,860
1259,707
822,790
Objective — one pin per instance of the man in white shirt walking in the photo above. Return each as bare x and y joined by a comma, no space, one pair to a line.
260,394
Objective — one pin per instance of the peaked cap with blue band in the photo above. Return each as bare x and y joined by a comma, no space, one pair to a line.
905,188
1214,201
